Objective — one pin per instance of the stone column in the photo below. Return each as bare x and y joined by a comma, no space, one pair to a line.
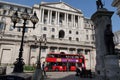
79,21
73,20
101,18
41,10
67,19
48,17
29,55
58,17
42,15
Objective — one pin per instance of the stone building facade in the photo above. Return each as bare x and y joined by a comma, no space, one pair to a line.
65,27
116,3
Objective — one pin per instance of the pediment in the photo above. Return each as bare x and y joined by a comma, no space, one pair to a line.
62,5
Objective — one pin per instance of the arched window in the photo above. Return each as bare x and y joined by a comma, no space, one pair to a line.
70,38
70,32
61,34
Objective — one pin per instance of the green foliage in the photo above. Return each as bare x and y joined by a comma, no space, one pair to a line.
29,68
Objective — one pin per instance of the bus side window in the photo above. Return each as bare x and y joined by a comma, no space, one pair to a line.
52,56
76,57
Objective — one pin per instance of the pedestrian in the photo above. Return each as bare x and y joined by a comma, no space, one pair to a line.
78,70
43,69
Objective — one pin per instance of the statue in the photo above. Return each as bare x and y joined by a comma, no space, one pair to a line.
108,37
99,4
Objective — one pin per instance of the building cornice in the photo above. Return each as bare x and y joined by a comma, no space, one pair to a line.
15,4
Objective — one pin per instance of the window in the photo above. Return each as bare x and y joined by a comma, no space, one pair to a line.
77,32
1,6
61,34
15,8
70,38
86,31
52,36
93,38
44,35
1,26
29,11
86,52
26,29
0,12
77,39
70,32
87,37
71,51
4,12
33,49
22,9
52,49
43,50
12,8
27,22
18,29
45,20
76,18
69,17
19,9
53,20
20,21
11,28
53,30
3,19
60,21
80,51
44,28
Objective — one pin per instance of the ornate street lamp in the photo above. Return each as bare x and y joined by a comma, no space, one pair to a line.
38,75
15,19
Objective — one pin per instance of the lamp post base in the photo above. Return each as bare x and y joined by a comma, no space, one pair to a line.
38,75
18,66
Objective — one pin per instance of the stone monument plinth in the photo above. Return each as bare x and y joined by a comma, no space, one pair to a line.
112,67
107,67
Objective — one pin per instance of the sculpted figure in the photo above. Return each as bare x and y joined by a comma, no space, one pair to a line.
108,37
99,4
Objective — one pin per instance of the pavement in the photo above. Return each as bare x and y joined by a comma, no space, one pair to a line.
58,75
64,76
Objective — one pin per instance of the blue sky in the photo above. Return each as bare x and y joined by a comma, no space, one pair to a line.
88,7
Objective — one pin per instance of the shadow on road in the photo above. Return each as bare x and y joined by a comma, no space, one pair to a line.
69,77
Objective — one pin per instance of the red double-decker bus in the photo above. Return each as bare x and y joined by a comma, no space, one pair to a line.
64,62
